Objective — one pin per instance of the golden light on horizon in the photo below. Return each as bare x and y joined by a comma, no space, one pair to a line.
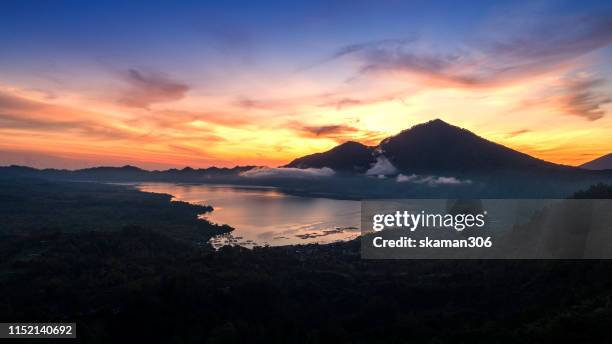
272,135
269,116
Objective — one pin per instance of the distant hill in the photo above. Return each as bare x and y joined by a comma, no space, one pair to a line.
126,173
431,147
349,156
601,163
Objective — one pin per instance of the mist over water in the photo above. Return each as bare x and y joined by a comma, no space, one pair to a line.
262,215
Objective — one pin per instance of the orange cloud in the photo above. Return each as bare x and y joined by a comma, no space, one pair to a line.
511,87
517,133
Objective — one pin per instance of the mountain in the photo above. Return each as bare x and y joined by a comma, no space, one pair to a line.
437,146
349,157
601,163
431,147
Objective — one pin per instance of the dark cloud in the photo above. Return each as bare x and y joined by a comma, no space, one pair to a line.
517,133
401,56
22,122
372,46
360,47
248,103
283,104
581,98
555,40
329,130
336,100
574,96
508,57
149,88
12,103
343,102
337,132
340,103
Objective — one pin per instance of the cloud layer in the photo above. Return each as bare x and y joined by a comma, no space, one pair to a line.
497,60
382,167
288,172
581,98
430,180
500,59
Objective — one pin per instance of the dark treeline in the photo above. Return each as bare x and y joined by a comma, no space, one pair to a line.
142,286
30,205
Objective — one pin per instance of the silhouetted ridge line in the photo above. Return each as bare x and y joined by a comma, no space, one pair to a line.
350,156
431,147
601,163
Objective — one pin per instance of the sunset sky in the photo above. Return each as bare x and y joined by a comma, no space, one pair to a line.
161,84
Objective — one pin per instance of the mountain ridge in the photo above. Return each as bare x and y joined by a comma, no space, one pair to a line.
433,147
604,162
348,156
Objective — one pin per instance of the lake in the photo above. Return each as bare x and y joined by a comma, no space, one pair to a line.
266,216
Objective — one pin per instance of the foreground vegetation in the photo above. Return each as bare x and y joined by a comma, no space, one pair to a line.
139,282
29,206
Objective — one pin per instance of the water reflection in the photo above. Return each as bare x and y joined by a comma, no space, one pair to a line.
265,216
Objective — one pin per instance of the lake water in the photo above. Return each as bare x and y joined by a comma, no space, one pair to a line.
263,215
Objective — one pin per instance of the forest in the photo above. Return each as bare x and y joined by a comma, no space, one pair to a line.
131,266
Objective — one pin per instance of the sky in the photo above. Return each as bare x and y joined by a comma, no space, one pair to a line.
161,84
